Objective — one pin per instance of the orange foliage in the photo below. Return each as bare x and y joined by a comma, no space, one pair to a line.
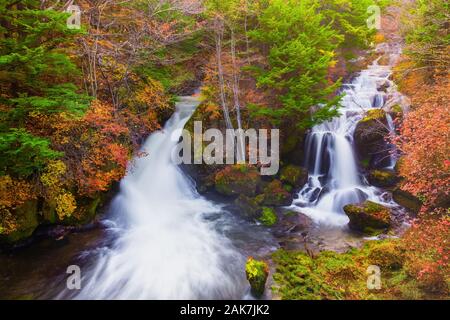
428,250
425,142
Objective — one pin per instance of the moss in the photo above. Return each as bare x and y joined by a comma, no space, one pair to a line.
331,275
257,273
268,217
407,200
374,114
383,178
294,175
387,255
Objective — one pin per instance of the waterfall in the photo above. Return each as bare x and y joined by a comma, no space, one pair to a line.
167,246
334,179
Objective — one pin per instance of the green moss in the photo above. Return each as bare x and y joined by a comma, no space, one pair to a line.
268,217
382,178
374,114
293,175
397,109
365,162
257,273
331,275
387,255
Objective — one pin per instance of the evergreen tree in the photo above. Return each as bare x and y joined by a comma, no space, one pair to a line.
35,74
300,48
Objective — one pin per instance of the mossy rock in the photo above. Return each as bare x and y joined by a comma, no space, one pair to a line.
370,136
249,207
396,112
382,178
398,165
294,175
386,254
276,195
268,217
407,200
257,273
236,180
369,217
85,212
48,212
292,144
26,220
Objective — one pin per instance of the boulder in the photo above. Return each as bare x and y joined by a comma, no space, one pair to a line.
236,180
257,273
249,207
407,200
368,217
292,144
85,212
370,141
382,178
26,221
386,254
291,222
276,195
295,176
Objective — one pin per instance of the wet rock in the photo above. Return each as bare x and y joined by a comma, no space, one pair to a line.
383,86
407,200
382,178
294,175
257,273
291,222
249,207
369,217
292,144
369,137
236,180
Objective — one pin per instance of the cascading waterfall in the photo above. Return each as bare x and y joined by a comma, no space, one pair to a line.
334,179
166,248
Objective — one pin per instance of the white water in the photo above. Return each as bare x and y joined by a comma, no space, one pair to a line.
166,248
334,179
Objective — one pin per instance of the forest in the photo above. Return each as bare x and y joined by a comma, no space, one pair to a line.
358,89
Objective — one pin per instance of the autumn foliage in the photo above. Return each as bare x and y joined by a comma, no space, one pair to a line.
427,252
424,142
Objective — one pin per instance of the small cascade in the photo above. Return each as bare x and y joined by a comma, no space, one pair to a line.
334,178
